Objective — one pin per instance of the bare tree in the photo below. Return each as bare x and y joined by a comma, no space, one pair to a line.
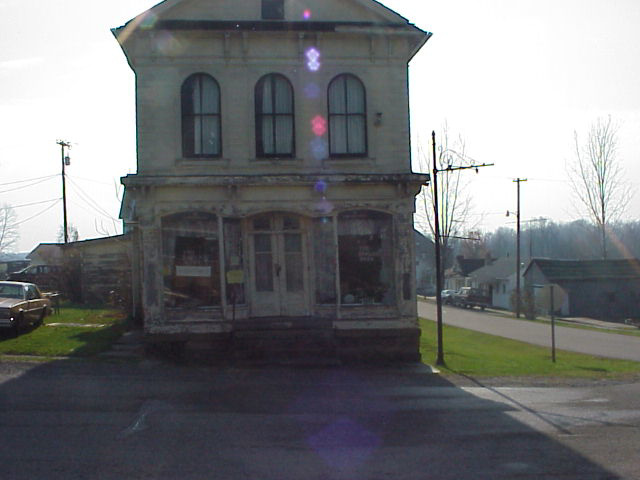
453,197
72,233
474,245
9,233
597,177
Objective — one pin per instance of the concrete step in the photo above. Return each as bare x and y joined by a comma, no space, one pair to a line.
289,346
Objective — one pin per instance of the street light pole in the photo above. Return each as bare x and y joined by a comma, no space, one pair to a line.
437,236
65,159
436,228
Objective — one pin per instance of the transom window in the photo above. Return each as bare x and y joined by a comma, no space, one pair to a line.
201,125
274,117
347,117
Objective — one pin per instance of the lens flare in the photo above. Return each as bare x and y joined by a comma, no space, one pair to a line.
319,148
320,186
144,22
319,125
148,21
313,59
306,14
324,206
167,44
345,435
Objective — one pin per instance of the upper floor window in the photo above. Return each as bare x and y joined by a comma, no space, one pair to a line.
274,117
201,125
272,9
347,117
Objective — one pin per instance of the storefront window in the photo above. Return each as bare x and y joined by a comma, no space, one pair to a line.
191,261
366,257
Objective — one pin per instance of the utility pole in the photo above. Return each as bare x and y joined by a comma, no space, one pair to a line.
436,234
518,296
65,161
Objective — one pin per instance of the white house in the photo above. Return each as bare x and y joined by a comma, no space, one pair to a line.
498,279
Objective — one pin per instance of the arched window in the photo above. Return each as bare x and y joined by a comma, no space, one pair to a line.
347,117
201,125
274,117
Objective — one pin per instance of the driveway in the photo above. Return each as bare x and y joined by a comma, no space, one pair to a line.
591,342
105,421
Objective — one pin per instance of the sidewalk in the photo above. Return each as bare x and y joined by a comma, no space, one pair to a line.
590,322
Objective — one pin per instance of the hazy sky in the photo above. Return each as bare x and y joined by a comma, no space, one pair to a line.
514,77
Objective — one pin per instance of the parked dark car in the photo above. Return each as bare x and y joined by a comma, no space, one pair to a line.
21,304
46,277
468,297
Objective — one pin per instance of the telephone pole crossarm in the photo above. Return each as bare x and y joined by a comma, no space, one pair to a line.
452,168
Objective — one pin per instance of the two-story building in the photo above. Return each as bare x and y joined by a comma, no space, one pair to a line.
274,187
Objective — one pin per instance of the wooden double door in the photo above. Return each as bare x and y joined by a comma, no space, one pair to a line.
280,276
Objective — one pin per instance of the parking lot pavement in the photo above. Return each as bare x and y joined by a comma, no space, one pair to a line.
101,420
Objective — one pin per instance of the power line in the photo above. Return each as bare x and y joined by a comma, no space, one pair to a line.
27,180
92,203
91,210
535,179
88,180
27,186
29,204
38,214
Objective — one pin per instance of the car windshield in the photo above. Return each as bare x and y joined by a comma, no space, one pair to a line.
11,291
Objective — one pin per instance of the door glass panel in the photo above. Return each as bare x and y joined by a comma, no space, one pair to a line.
290,223
263,263
262,243
293,262
293,243
262,223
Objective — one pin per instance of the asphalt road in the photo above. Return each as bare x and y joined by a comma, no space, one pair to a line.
96,420
591,342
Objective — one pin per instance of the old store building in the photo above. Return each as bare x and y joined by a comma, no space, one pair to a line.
274,188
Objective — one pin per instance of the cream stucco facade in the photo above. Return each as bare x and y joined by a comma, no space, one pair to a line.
274,187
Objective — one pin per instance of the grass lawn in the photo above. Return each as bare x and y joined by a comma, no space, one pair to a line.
77,331
477,354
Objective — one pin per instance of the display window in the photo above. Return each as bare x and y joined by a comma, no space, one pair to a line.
191,260
365,251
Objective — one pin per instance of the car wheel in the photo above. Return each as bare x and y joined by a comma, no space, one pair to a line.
16,326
